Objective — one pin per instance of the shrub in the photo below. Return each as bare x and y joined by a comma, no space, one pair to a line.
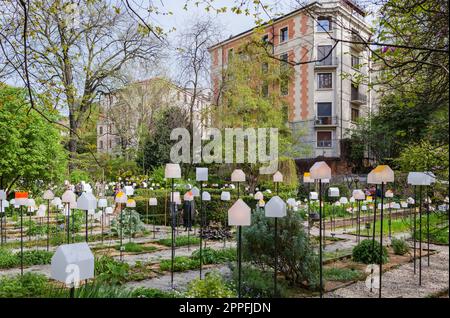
364,253
7,259
26,286
180,264
399,246
130,222
211,286
256,283
212,256
342,274
36,257
296,258
110,271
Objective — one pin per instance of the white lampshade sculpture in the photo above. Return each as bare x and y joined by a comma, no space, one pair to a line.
381,175
320,171
275,208
173,171
277,178
239,215
358,195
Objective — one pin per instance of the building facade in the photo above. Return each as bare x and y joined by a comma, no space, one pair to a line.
329,89
124,112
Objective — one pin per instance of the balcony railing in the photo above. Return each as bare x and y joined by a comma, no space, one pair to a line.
324,144
358,98
328,62
325,121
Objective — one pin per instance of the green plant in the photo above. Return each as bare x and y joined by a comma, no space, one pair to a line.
26,286
180,264
142,292
133,247
110,271
212,256
399,246
296,258
7,259
180,241
130,222
342,274
365,253
212,286
36,257
257,283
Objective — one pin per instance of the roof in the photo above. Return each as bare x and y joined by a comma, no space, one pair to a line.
351,3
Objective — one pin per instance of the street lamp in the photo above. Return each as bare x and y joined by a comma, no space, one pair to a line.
277,178
389,194
359,196
102,204
70,199
172,171
275,208
382,174
86,202
419,179
333,192
130,204
319,171
307,179
48,195
121,198
239,215
152,202
21,199
201,175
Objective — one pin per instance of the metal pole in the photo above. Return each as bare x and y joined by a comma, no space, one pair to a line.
373,234
129,225
86,228
420,235
21,240
172,204
239,260
381,239
428,231
309,217
320,237
1,221
201,226
414,227
68,223
276,259
358,222
103,221
48,225
121,230
389,220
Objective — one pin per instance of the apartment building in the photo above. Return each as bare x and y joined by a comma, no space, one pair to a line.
123,112
329,89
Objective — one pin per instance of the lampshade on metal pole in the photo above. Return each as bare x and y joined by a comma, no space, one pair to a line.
172,204
21,240
420,235
381,240
373,233
320,237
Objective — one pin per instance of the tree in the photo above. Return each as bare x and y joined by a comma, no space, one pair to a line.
72,52
156,147
31,152
251,98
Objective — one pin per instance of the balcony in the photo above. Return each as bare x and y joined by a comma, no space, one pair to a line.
325,121
358,98
356,38
329,62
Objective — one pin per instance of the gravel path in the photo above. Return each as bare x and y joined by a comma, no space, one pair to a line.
402,283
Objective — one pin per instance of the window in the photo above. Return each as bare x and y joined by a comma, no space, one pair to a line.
325,80
323,24
324,139
230,54
324,55
284,65
355,114
355,62
265,89
324,111
100,131
264,67
354,92
284,87
265,39
284,36
101,144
